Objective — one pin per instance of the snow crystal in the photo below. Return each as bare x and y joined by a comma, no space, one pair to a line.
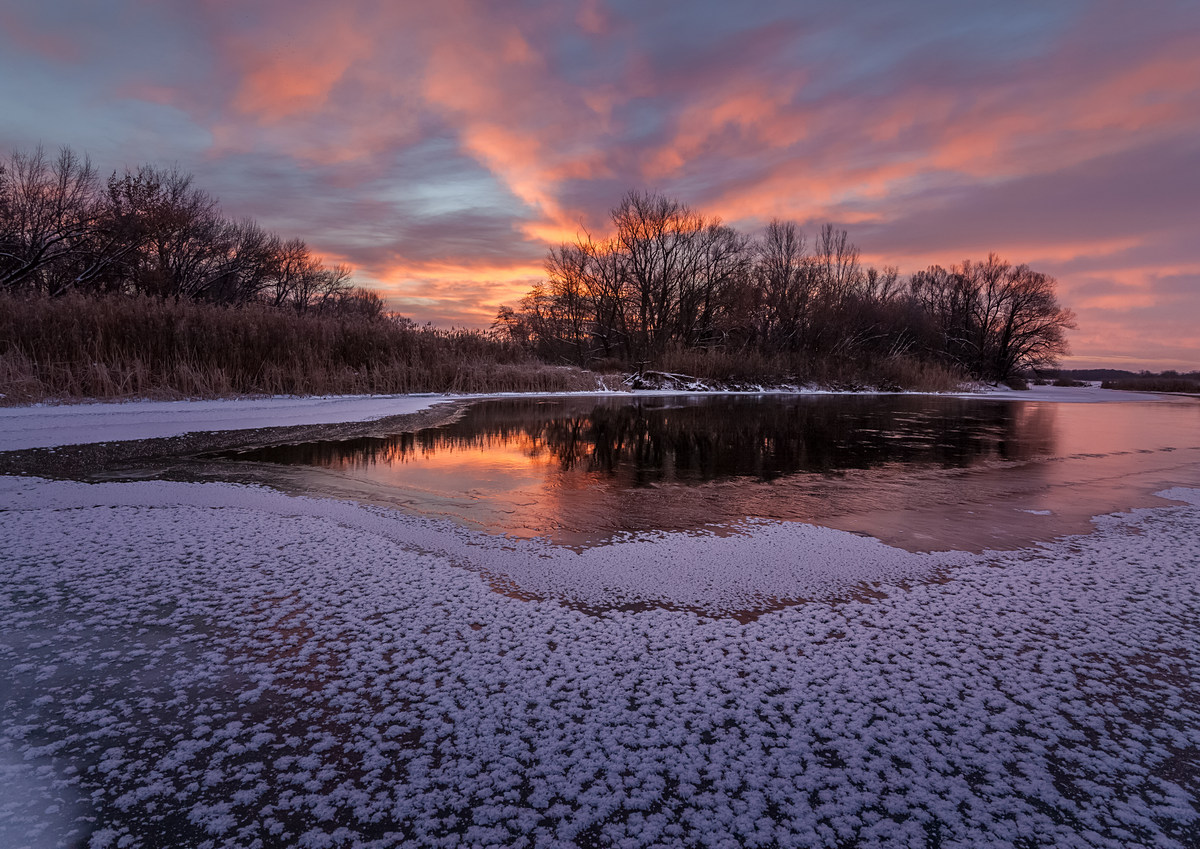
215,665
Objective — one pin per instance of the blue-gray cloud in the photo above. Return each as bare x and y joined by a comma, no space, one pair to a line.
440,147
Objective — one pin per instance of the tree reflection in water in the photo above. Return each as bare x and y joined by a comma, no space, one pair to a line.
671,440
920,472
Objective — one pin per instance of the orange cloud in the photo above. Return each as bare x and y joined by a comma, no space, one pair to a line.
823,157
790,190
552,233
592,17
567,108
454,293
1037,255
294,70
531,131
747,107
1053,124
1162,91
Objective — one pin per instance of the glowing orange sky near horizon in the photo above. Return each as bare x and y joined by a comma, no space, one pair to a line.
440,149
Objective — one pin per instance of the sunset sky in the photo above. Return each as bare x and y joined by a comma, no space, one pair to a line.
440,147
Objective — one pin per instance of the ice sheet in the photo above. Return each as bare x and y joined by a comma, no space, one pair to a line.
217,665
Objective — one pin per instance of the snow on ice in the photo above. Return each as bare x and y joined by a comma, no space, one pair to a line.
216,665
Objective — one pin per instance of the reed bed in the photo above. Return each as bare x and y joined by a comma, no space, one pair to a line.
114,347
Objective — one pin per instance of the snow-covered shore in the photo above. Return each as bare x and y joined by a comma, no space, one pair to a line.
55,425
215,665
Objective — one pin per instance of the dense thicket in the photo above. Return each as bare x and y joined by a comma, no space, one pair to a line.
670,280
150,231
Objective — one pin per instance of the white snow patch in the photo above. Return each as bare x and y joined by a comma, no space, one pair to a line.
1181,493
759,564
47,426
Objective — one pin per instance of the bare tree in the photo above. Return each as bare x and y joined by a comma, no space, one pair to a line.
837,261
49,209
127,217
354,303
882,286
188,242
995,319
323,287
606,291
784,274
248,266
1030,328
657,236
669,278
294,267
568,271
721,263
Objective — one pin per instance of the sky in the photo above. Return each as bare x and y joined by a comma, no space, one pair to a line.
440,148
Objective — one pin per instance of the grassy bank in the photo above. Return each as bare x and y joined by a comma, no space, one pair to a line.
124,347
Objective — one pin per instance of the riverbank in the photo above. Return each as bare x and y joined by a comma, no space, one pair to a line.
78,347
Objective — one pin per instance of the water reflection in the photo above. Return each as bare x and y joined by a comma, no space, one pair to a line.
919,472
655,441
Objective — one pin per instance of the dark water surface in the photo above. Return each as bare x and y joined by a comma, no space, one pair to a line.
921,472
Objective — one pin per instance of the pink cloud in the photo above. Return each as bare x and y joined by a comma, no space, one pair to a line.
23,34
933,146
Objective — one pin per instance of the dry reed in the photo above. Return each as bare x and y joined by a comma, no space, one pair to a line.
124,347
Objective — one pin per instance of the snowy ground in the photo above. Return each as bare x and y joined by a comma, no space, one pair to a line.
213,665
53,425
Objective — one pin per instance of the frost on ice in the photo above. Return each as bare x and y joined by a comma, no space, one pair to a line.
290,672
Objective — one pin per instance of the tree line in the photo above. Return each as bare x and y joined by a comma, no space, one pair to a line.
670,278
151,231
667,280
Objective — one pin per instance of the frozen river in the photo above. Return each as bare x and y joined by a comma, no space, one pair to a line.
194,663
